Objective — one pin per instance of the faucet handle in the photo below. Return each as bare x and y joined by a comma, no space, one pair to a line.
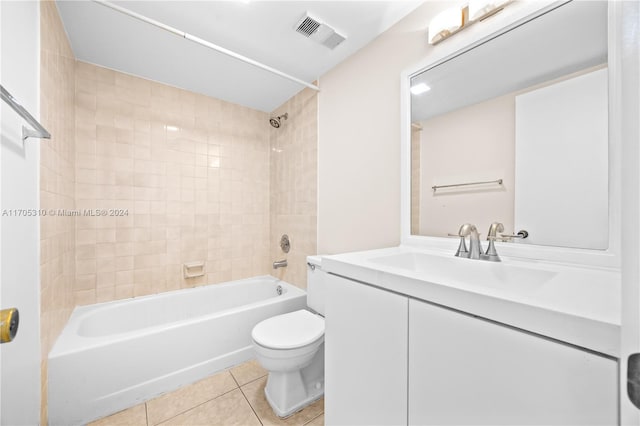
494,228
491,253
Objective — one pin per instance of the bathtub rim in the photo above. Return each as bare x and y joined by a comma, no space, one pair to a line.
69,339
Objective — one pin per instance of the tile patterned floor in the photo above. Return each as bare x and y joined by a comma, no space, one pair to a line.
232,397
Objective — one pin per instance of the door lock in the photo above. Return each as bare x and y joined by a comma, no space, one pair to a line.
9,321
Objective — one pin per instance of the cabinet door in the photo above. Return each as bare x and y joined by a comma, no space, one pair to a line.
365,355
466,370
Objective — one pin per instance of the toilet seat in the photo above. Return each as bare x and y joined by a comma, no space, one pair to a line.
289,331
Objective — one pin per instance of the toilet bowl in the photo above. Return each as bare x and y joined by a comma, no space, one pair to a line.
291,347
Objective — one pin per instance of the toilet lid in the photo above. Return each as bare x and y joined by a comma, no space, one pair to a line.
288,331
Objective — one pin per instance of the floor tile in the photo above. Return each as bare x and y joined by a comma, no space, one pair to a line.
318,421
254,392
228,409
248,372
134,416
171,404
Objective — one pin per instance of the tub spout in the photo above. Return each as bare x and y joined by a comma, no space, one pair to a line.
280,264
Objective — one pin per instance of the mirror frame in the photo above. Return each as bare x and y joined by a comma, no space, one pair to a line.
515,15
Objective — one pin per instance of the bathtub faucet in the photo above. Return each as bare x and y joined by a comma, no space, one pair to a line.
280,264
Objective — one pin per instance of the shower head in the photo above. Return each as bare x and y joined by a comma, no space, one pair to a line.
275,122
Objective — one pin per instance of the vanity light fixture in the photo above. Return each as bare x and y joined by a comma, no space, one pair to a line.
480,9
419,89
447,23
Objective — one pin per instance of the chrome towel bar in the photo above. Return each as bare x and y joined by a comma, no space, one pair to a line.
436,187
39,132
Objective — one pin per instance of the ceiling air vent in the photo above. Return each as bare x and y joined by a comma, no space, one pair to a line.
307,26
319,32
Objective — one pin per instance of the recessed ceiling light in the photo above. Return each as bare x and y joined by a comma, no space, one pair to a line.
419,89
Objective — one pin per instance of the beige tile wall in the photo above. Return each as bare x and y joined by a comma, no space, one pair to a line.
57,176
190,174
294,176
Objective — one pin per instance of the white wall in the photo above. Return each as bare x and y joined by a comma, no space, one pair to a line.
20,369
359,127
359,139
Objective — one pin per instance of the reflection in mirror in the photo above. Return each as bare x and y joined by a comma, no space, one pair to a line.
523,118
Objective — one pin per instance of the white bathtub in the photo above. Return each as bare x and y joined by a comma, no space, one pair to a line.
114,355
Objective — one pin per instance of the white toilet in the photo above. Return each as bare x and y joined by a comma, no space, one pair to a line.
291,347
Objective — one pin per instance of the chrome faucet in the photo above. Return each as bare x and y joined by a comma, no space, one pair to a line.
280,264
491,253
475,248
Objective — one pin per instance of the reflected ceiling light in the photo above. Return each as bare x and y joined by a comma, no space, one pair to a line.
172,128
479,9
444,24
419,88
447,23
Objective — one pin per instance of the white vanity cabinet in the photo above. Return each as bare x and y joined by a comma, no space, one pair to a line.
365,355
392,359
467,370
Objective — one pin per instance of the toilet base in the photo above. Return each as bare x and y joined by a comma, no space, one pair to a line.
289,392
283,414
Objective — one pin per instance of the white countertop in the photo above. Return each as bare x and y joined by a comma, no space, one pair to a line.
575,304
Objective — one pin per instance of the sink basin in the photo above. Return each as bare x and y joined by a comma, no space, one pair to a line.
467,272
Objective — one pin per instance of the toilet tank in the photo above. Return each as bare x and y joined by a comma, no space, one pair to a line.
315,284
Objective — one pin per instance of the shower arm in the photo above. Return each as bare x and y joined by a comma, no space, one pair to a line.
204,43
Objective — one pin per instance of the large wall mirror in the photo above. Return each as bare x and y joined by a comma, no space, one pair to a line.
515,130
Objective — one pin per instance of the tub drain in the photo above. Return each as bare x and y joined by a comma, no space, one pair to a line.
279,290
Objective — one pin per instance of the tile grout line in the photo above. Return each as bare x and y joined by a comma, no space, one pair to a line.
238,386
253,380
234,378
321,414
249,402
195,406
245,396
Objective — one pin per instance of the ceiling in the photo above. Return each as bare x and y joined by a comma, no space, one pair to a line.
261,30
